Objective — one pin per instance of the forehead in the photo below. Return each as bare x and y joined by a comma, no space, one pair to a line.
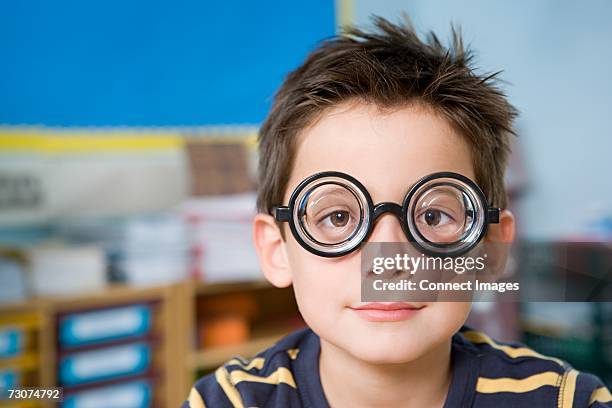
387,150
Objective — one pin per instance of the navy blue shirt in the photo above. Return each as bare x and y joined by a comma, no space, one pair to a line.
485,373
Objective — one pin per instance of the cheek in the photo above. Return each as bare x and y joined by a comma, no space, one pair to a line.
448,317
323,286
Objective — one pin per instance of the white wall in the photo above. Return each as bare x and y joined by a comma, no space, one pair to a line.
557,55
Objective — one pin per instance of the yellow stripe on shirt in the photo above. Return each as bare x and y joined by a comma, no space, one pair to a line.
281,375
195,399
517,385
257,363
513,352
230,391
602,395
293,353
568,389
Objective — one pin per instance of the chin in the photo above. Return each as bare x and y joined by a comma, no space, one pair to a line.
380,345
385,352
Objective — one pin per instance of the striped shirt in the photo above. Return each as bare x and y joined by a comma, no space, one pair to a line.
486,373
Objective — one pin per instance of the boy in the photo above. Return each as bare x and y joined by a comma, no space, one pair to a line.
381,111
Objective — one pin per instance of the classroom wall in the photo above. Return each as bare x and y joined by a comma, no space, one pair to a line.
557,58
74,64
151,63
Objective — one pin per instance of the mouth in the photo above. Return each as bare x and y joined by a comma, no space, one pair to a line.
387,312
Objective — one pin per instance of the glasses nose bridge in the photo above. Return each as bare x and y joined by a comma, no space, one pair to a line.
387,207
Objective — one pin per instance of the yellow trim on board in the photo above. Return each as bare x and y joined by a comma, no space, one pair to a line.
494,385
48,141
84,142
514,352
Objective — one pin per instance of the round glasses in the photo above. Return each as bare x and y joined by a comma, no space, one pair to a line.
331,214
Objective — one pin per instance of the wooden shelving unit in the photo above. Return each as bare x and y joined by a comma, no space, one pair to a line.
177,355
44,357
231,287
272,303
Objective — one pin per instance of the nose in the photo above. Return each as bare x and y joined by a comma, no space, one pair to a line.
387,228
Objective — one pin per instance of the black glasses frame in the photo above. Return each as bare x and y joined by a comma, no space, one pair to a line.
375,211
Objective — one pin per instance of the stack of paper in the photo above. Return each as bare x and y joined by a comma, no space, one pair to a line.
222,237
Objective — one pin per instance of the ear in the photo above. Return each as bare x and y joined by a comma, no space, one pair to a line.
498,241
502,232
270,248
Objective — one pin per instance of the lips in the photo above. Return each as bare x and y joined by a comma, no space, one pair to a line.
387,312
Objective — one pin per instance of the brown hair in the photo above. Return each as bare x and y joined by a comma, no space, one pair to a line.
389,67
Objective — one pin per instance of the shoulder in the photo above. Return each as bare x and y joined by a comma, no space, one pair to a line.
514,371
507,357
251,382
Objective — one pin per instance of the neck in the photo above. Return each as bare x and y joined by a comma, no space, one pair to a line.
349,381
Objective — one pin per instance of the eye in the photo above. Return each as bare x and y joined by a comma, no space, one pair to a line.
435,218
337,218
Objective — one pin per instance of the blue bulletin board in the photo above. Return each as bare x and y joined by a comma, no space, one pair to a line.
151,63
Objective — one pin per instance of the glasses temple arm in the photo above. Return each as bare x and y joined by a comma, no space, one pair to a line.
281,213
493,215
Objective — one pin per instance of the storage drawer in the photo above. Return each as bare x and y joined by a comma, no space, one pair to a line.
11,342
135,394
9,378
103,325
104,364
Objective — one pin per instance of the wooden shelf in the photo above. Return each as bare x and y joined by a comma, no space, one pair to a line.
178,317
134,293
93,298
209,289
215,356
171,326
25,362
20,404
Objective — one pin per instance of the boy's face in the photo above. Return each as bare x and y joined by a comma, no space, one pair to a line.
387,152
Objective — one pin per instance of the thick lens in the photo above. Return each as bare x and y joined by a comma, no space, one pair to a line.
331,213
444,214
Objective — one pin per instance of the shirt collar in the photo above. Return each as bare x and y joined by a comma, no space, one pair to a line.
461,391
